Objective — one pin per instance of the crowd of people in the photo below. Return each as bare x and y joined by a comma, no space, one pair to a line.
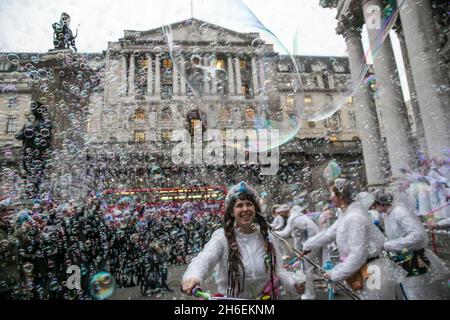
134,244
358,235
380,241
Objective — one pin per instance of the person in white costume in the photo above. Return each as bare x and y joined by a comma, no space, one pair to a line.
283,212
442,223
300,228
407,243
439,189
247,259
360,244
278,221
366,201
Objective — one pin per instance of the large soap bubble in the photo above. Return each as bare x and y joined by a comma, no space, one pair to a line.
237,73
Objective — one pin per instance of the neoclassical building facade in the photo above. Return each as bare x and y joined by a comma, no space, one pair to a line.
422,28
147,89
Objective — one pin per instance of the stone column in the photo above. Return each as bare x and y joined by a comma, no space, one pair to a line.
331,80
429,78
131,78
183,77
319,79
175,79
366,115
262,108
417,119
124,74
157,76
255,77
149,76
207,90
390,101
231,88
237,70
213,77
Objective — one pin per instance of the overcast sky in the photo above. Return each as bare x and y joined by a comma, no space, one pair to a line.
25,25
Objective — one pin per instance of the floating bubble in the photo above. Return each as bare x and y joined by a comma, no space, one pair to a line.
35,59
29,132
332,171
248,75
13,58
371,83
28,268
156,170
102,285
9,90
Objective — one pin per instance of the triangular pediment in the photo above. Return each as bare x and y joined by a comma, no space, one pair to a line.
192,30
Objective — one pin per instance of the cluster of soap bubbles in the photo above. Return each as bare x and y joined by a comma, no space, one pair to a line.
426,190
249,62
113,244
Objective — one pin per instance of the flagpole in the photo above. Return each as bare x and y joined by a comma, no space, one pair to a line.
192,9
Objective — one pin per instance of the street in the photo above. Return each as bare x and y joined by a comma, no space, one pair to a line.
174,281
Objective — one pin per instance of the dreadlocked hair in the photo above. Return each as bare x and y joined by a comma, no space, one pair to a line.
236,282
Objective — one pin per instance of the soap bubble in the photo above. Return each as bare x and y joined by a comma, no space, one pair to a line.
237,76
102,285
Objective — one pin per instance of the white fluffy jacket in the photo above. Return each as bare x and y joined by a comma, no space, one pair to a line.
357,240
251,247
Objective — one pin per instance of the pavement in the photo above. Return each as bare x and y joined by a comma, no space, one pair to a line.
174,282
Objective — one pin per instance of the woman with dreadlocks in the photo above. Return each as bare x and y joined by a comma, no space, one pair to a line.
248,262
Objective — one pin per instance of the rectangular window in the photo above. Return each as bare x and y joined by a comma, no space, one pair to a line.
167,64
338,68
11,125
352,117
335,122
223,134
142,62
308,101
140,115
220,64
245,89
139,136
249,114
293,122
12,102
290,101
195,123
284,67
167,91
166,114
300,66
166,135
224,114
243,64
349,100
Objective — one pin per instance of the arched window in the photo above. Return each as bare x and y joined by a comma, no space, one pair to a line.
139,115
